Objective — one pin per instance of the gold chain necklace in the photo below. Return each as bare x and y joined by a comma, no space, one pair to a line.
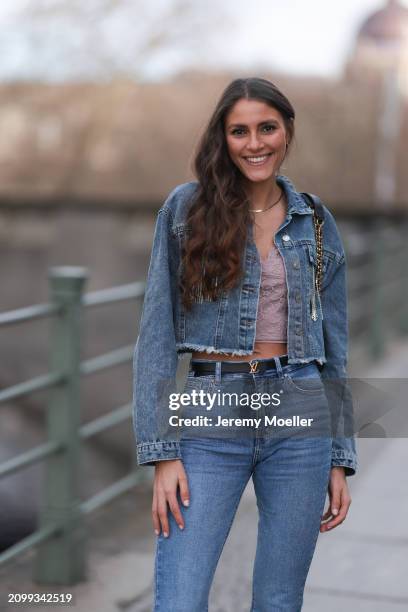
258,210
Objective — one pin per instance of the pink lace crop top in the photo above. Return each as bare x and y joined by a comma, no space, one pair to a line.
272,317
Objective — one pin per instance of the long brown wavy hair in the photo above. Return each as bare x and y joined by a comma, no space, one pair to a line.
212,251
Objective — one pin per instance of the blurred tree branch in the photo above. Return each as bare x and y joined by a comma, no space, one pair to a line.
108,37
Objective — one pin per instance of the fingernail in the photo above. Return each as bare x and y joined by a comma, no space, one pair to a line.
181,526
166,535
156,531
335,511
186,502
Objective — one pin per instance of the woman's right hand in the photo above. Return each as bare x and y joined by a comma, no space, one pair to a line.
169,474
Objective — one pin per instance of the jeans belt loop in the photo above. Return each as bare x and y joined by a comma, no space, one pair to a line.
278,366
218,365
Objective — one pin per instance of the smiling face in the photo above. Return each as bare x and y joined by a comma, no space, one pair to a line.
256,138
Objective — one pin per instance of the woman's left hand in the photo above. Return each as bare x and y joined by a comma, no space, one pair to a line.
340,500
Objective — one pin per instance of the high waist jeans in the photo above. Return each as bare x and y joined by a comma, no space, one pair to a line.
290,471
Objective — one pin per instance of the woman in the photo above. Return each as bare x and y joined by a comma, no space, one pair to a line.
232,279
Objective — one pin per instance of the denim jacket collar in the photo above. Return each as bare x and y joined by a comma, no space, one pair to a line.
296,204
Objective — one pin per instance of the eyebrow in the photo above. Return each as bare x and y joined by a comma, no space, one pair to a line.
244,125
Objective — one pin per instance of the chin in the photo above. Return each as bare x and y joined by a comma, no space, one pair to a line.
259,177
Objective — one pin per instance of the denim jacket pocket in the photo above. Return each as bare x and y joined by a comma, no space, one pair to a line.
330,260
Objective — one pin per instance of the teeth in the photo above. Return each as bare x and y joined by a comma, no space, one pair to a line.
256,160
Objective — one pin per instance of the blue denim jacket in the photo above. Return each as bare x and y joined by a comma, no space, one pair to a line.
228,324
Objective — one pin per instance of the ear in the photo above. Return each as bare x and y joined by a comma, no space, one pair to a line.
289,133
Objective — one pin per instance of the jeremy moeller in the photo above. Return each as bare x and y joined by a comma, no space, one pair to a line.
273,421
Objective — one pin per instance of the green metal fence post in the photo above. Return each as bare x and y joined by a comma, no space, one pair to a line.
403,320
62,559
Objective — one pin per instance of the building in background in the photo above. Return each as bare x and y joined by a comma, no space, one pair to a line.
381,44
380,57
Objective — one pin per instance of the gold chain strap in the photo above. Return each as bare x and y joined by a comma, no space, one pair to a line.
318,226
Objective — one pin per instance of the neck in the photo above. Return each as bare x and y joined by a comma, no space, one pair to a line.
263,194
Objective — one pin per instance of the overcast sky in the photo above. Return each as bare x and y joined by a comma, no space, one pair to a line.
296,36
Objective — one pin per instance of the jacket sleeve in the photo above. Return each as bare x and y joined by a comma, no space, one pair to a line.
334,371
155,356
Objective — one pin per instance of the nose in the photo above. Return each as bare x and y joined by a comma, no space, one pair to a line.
255,143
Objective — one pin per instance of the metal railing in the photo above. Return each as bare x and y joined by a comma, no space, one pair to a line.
61,553
378,285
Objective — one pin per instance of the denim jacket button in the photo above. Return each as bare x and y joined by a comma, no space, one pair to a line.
296,264
298,297
285,237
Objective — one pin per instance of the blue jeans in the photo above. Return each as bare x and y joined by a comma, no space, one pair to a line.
290,473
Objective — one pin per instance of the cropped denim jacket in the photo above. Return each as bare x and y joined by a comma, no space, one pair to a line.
228,324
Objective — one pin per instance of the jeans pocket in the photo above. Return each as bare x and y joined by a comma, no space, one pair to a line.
198,383
192,382
305,379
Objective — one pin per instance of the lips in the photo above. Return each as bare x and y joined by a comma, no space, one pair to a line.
257,160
